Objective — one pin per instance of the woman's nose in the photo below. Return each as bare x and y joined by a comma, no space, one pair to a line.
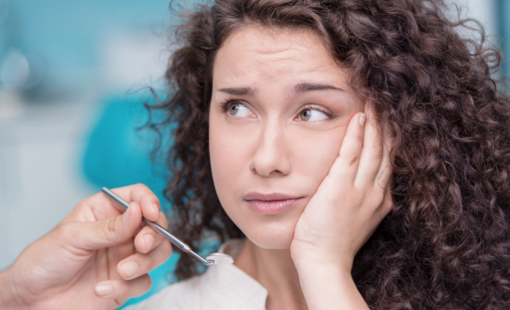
271,156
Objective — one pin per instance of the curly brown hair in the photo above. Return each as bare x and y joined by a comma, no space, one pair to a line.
446,243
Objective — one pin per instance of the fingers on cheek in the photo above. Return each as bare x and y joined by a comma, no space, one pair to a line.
120,289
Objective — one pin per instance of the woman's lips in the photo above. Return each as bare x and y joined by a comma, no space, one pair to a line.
270,203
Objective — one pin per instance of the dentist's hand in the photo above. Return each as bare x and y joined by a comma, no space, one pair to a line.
350,202
96,258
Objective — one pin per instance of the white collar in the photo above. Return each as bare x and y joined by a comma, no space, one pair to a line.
231,283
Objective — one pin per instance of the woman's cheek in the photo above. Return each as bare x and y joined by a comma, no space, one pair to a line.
229,152
315,151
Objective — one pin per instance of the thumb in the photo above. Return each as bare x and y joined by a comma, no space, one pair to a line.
109,232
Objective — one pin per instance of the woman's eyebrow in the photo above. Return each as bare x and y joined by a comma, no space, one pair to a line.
238,91
304,87
299,88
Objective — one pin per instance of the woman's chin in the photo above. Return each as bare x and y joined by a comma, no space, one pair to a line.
268,231
271,237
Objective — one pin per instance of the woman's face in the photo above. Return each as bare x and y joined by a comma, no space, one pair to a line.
279,111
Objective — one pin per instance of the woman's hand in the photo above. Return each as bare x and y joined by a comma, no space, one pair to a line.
350,202
341,216
96,258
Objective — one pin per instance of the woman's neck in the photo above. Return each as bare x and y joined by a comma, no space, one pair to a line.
275,270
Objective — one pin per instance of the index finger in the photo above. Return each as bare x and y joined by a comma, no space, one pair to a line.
372,153
144,196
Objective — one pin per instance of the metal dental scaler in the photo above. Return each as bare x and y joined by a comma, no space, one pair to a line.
211,259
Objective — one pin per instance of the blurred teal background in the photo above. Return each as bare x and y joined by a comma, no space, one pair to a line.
70,105
77,42
72,82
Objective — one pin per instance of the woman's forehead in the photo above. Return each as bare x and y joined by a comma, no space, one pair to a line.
255,54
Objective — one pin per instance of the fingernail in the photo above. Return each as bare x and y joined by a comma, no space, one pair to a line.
149,241
362,119
104,289
130,268
156,209
125,216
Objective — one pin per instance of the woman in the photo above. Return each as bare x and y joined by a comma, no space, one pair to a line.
351,154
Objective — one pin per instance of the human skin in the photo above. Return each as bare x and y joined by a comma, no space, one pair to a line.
87,251
266,146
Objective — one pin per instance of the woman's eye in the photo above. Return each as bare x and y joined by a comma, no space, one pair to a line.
312,115
238,109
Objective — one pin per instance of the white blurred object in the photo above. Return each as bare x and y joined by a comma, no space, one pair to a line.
15,70
20,71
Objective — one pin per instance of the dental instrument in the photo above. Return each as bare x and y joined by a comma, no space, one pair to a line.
211,259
